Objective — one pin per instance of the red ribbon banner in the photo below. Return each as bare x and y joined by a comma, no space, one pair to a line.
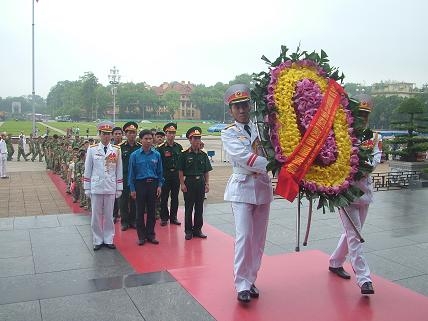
299,162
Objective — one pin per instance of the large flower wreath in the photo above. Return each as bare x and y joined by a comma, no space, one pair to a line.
291,98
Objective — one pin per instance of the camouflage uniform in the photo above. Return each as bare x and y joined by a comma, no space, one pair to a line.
9,146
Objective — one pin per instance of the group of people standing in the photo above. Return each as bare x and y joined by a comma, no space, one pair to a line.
141,175
35,144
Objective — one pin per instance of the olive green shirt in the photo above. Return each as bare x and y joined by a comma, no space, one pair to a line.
194,164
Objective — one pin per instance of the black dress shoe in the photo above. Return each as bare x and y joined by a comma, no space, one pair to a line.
367,288
124,227
141,242
175,222
163,223
97,247
111,246
244,296
188,236
153,241
254,292
200,235
340,272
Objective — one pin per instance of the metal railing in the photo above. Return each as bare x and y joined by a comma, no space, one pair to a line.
394,179
383,181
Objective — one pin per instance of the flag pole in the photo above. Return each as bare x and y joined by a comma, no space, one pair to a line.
33,92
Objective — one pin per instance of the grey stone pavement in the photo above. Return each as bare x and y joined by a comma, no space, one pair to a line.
49,272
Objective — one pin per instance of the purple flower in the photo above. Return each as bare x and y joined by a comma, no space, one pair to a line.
354,160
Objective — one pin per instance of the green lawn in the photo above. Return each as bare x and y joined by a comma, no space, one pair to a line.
16,127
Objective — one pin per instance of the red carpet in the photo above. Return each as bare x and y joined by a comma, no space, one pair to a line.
174,252
61,186
296,286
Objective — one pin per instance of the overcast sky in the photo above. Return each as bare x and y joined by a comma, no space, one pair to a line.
206,41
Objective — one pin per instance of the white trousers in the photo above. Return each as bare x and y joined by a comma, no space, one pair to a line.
350,244
102,218
3,160
251,223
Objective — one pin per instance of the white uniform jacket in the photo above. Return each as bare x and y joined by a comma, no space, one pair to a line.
3,149
103,171
365,184
249,182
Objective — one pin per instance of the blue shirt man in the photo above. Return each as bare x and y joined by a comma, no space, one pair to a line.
145,182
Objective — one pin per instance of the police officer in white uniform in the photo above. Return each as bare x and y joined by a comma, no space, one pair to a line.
349,244
3,155
249,190
103,182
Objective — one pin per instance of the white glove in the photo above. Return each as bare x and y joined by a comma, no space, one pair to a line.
118,194
88,193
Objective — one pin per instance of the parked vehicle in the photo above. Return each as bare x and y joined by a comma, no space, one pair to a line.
216,128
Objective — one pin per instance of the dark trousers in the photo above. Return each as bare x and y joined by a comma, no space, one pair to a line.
194,199
146,198
128,211
170,186
116,208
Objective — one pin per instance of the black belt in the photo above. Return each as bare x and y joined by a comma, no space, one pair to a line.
147,180
198,177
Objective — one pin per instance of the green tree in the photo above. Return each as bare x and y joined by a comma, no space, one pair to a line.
383,111
209,100
89,84
171,99
411,118
245,79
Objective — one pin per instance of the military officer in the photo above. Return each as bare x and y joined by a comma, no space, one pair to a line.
249,190
170,153
21,147
116,140
3,155
103,182
128,211
159,138
10,149
31,145
194,167
349,244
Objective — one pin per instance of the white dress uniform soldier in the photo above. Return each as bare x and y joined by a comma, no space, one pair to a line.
103,182
349,244
3,155
249,190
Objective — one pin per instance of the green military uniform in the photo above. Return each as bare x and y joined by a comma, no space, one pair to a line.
194,165
170,159
127,206
21,150
37,150
31,145
79,168
9,146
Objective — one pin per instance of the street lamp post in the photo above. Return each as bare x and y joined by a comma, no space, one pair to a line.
114,79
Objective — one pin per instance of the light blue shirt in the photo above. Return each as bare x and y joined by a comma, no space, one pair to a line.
144,165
